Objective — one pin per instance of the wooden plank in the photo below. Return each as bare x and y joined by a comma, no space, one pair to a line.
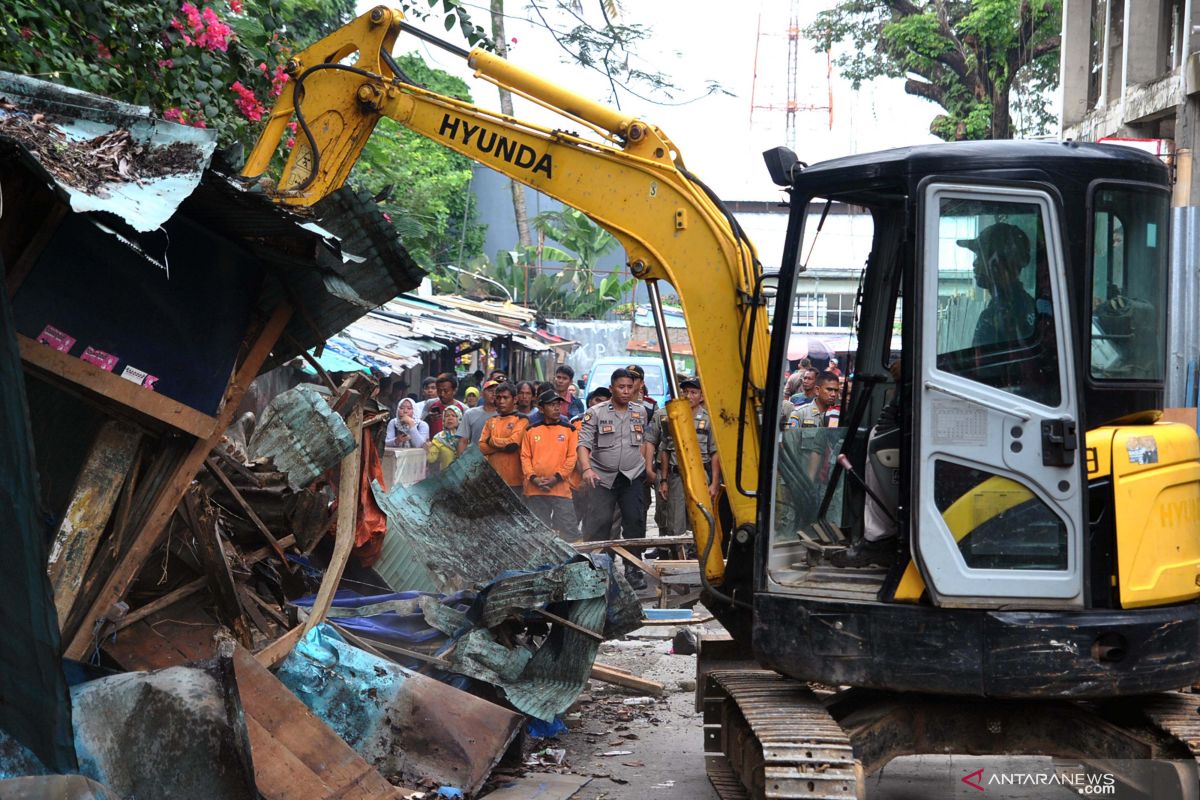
92,500
250,513
171,492
271,655
321,764
58,367
588,632
347,515
654,541
619,677
637,562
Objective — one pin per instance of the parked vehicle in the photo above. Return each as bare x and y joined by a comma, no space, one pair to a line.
601,372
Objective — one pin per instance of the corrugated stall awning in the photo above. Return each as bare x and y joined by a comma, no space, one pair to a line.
333,263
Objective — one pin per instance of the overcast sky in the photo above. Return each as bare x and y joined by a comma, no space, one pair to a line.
697,42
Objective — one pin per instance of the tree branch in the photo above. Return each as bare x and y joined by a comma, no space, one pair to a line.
930,91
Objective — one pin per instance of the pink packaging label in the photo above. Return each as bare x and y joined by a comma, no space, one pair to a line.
99,358
57,339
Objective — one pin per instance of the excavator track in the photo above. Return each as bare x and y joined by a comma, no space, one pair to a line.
769,737
1177,714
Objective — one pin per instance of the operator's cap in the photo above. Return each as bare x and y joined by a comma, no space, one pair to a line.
638,372
491,384
1003,239
549,396
691,382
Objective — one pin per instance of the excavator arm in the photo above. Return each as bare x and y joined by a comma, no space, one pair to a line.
632,182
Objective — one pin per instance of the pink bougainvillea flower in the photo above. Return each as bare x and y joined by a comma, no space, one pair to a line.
166,63
26,33
263,68
387,216
247,102
277,81
235,6
292,126
173,115
291,142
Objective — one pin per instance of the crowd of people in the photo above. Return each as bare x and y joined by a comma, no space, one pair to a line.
587,466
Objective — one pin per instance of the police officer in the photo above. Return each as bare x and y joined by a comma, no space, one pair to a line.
670,482
611,439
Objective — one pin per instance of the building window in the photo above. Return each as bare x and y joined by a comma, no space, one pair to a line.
839,310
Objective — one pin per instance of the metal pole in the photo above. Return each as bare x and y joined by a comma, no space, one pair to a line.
664,345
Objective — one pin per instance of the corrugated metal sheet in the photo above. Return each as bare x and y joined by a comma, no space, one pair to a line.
302,434
144,203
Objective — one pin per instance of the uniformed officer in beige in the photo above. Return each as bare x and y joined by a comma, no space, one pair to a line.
610,454
670,482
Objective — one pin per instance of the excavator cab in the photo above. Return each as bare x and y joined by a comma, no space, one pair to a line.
1013,462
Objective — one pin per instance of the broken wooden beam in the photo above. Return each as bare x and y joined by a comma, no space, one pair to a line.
170,492
635,544
93,498
223,479
347,515
619,677
202,519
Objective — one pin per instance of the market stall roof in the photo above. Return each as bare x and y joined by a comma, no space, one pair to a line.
129,173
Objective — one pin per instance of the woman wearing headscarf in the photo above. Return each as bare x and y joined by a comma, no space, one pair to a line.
445,446
405,430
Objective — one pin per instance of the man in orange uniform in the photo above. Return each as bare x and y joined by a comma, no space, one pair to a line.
548,454
501,437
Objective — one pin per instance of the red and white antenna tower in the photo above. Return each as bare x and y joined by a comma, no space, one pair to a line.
774,95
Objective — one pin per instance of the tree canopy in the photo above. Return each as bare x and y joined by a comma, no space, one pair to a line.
985,62
217,65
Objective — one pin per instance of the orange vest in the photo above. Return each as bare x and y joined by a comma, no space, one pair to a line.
498,433
546,451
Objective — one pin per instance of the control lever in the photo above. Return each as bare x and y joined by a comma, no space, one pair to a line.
844,462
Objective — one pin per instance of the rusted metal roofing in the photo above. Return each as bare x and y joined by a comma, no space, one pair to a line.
333,263
73,116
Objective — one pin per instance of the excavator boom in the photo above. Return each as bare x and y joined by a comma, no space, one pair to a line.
632,182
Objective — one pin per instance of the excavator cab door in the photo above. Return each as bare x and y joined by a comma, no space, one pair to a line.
998,515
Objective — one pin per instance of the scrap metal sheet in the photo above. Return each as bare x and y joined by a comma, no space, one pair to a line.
410,727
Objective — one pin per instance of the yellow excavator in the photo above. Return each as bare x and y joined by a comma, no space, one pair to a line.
998,549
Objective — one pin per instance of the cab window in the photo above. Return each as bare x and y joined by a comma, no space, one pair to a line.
1129,283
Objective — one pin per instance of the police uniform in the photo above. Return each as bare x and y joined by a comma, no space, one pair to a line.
614,441
676,506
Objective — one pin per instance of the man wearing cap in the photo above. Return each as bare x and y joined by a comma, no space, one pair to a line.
474,418
670,481
501,437
548,455
639,389
1001,252
611,438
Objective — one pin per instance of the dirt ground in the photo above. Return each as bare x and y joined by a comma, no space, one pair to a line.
635,747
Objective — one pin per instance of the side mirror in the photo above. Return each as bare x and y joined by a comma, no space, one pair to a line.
781,162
